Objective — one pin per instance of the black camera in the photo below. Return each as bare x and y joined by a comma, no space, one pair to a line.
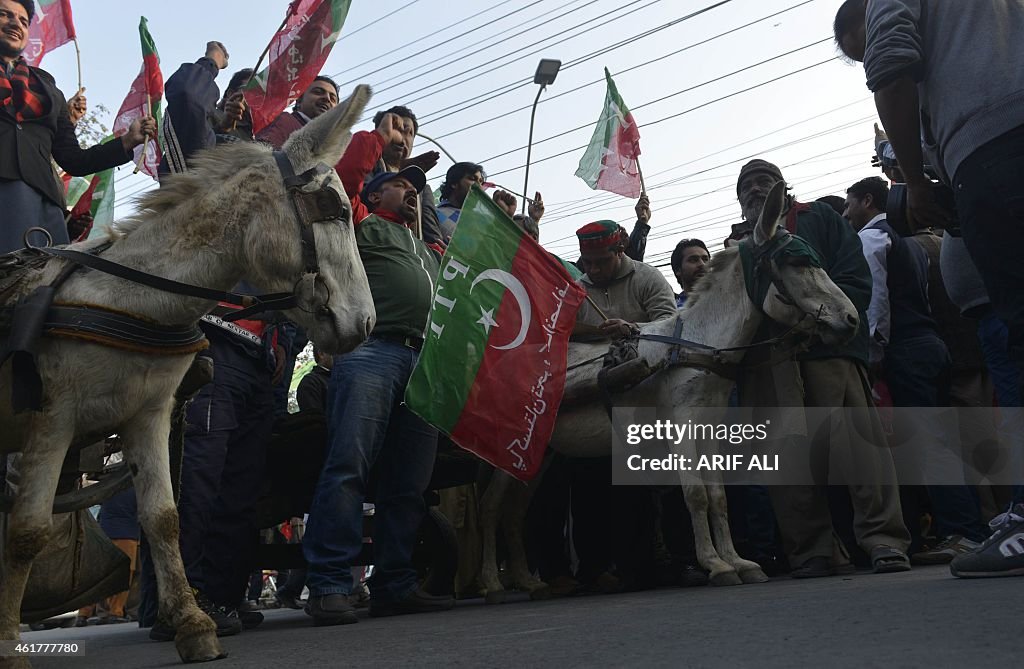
896,209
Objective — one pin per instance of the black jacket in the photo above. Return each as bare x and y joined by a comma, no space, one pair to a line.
26,147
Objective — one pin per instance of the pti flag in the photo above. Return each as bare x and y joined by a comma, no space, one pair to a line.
610,162
492,369
297,52
51,27
144,97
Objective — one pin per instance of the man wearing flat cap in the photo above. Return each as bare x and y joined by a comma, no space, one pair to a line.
368,426
833,376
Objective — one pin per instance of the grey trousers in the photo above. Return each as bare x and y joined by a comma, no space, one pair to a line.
802,510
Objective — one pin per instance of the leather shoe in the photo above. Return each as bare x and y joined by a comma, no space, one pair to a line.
417,601
334,609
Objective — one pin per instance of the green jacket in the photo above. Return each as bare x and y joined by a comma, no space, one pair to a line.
843,258
401,270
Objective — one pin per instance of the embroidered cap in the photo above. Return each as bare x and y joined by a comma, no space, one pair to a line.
601,235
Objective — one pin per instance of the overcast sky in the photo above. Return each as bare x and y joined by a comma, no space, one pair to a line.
697,124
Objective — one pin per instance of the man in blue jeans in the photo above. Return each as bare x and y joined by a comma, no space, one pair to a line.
933,79
370,427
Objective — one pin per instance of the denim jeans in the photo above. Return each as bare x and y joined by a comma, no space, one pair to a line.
370,427
918,373
989,188
1006,378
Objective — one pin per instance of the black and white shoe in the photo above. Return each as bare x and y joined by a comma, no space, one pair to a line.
1002,554
227,621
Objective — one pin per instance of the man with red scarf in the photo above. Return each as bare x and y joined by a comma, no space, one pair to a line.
34,125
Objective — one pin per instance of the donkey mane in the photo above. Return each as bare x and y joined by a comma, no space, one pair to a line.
720,262
201,193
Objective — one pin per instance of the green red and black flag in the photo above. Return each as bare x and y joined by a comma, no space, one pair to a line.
52,26
297,53
492,369
611,161
144,97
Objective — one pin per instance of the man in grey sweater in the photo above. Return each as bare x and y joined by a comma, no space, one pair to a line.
952,75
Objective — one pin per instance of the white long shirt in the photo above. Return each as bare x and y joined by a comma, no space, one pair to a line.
876,245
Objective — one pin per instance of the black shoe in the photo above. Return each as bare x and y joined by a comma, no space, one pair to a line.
227,622
815,567
250,619
691,577
286,601
333,609
417,601
1002,554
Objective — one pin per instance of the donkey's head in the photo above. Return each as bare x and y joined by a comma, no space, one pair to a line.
306,243
786,280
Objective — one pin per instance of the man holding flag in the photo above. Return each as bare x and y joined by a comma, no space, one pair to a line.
34,124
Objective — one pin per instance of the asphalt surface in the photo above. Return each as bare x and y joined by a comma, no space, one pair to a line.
924,618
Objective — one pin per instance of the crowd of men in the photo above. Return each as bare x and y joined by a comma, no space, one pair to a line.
942,323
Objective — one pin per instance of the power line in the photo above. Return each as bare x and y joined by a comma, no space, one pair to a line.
430,117
666,97
676,115
435,65
377,20
508,88
431,48
569,204
846,126
442,85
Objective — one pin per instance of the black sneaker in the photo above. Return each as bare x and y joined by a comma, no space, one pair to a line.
1002,554
227,622
250,619
335,609
417,601
287,601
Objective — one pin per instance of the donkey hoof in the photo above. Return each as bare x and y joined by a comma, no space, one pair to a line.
196,641
495,597
540,593
726,578
753,576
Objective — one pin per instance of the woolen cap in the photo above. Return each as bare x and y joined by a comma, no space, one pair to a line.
757,165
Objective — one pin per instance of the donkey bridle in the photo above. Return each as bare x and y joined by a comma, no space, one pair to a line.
320,206
36,312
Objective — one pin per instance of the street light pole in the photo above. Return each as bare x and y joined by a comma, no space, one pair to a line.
547,70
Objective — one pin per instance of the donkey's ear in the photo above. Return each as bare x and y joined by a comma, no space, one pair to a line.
324,139
771,214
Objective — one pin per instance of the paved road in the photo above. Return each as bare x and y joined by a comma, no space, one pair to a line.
924,618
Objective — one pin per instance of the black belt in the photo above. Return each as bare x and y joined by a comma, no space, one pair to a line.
415,343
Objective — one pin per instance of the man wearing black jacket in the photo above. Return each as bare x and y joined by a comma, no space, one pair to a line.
34,125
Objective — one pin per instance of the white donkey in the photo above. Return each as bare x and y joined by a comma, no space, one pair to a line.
718,314
230,218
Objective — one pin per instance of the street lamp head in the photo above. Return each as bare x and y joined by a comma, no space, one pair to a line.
547,70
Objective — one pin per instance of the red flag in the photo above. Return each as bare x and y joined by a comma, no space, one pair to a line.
84,204
144,98
611,161
50,28
492,369
297,52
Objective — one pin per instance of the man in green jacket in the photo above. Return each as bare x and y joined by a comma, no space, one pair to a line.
368,426
827,376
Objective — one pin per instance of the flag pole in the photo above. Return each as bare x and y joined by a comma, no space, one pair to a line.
145,138
78,57
643,188
598,309
292,9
